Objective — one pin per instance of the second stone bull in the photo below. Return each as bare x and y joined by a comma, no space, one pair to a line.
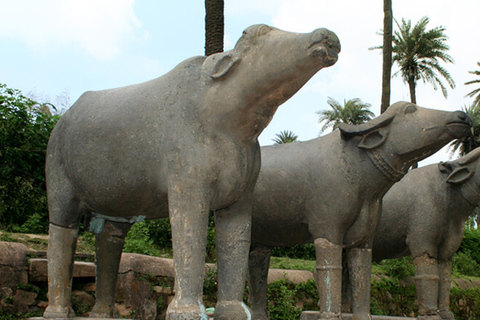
329,191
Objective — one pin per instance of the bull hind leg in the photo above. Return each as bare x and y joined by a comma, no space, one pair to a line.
64,214
258,263
108,251
445,274
427,283
61,250
359,261
233,236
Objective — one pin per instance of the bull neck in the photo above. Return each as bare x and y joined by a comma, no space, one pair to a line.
382,164
469,193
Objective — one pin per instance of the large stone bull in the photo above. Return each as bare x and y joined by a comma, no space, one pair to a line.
424,215
329,190
176,146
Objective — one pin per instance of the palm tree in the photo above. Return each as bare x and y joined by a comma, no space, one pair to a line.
418,52
467,144
387,54
475,92
353,111
214,26
285,137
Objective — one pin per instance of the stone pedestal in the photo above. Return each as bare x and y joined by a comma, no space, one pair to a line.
313,315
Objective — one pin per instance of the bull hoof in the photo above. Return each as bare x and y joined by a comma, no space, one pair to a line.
186,311
52,312
447,315
232,310
99,312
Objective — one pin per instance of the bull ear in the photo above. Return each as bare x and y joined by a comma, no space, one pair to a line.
350,130
219,64
373,139
460,175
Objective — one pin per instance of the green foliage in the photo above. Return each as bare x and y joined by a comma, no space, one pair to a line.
353,111
281,297
465,303
475,93
466,144
398,268
466,261
299,251
464,264
471,244
292,264
418,52
390,298
285,137
210,287
24,131
138,241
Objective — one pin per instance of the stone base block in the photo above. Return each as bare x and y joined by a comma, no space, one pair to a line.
313,315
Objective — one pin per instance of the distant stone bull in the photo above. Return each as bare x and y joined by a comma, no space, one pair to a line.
329,190
424,215
176,146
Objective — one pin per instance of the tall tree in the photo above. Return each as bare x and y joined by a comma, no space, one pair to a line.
387,54
418,52
285,137
214,26
466,144
475,92
353,111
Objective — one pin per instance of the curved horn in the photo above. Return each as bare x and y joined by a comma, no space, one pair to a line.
351,130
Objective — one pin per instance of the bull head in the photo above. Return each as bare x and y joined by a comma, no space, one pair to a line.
374,132
462,169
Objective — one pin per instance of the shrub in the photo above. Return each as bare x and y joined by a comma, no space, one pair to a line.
24,131
465,303
390,298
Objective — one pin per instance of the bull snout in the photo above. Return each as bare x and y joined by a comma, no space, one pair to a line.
459,124
325,45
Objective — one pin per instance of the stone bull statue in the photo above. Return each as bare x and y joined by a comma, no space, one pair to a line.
176,146
424,215
329,190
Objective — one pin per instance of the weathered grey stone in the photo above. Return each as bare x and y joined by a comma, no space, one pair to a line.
328,191
178,146
314,315
424,215
295,276
83,300
13,264
146,264
23,299
38,270
136,293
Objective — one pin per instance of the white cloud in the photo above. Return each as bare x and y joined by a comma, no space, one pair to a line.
100,27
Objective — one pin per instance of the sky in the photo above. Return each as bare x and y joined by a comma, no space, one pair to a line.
63,48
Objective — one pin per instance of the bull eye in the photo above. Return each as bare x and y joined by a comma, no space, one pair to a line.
410,109
263,30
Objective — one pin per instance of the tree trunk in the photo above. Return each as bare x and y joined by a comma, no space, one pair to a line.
413,99
214,26
411,87
387,54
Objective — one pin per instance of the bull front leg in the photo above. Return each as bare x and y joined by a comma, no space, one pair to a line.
233,234
62,243
108,252
328,278
445,274
258,264
427,284
189,221
359,261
